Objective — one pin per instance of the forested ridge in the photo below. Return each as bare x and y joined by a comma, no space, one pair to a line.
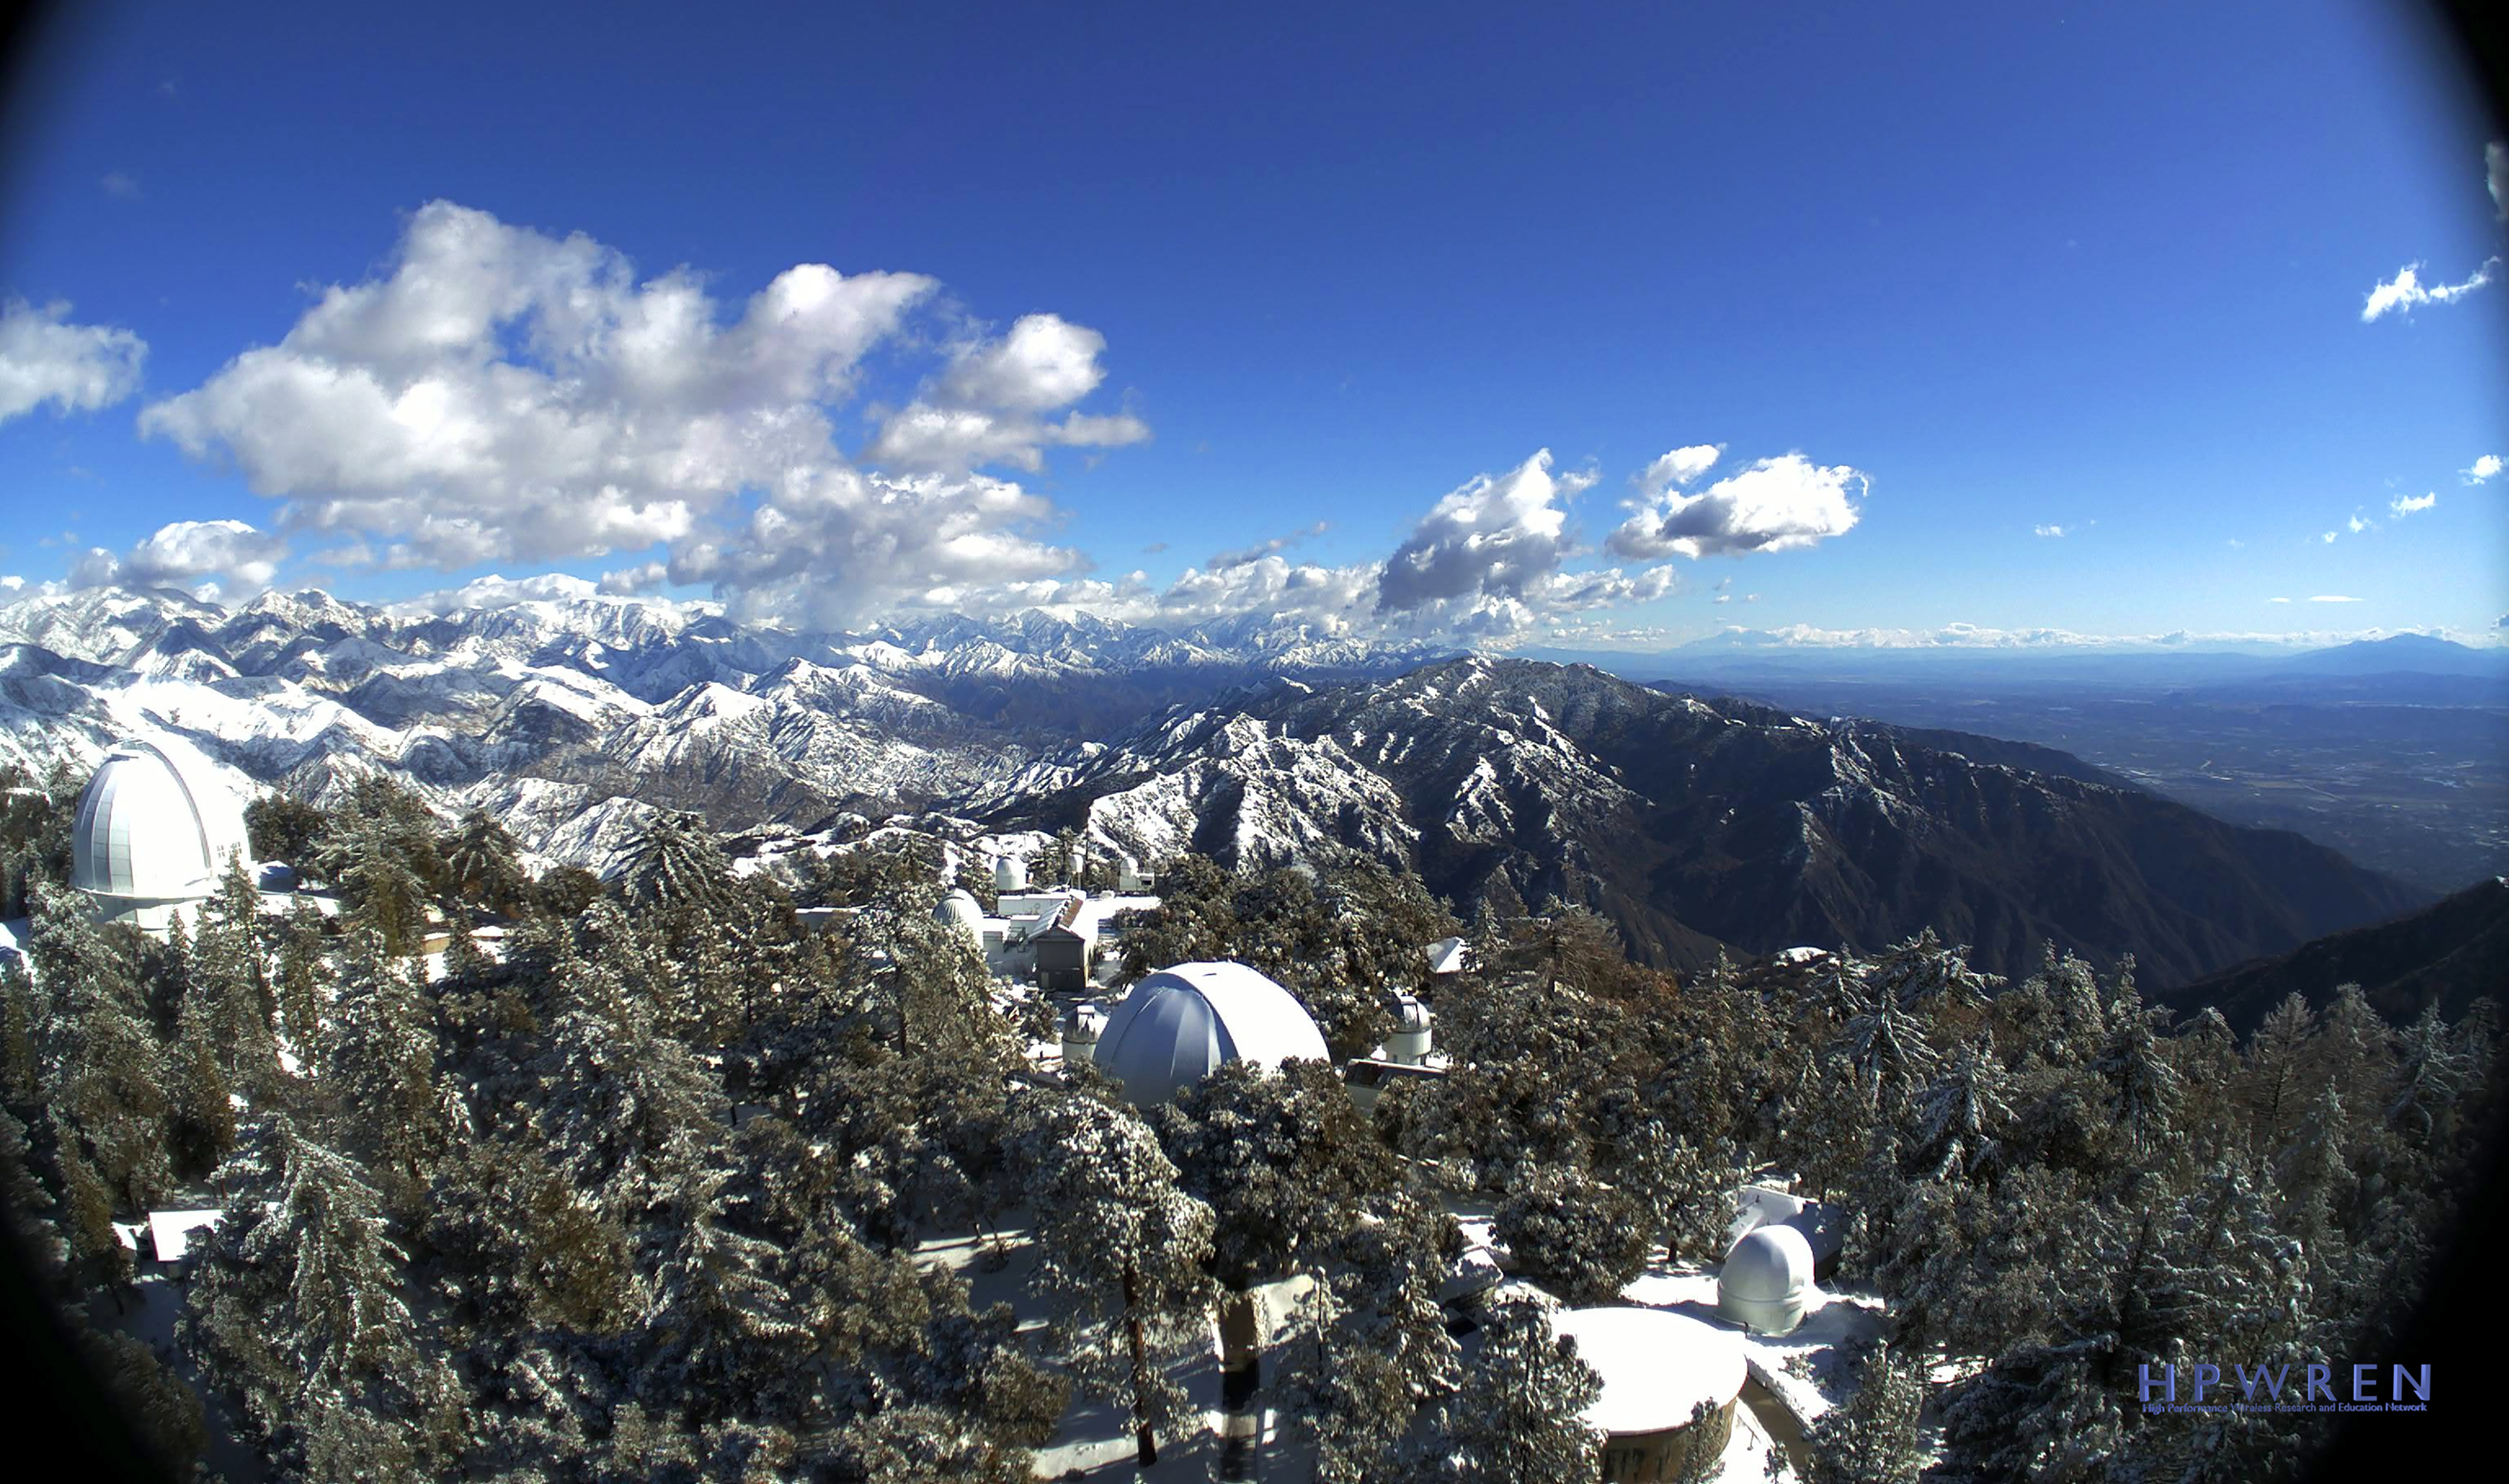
638,1194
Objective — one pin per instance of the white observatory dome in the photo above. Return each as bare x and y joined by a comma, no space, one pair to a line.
961,910
1766,1279
1180,1024
154,832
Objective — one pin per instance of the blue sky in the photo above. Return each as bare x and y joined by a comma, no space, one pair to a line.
1983,269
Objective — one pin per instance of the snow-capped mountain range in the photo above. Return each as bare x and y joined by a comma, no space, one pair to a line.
569,717
1698,826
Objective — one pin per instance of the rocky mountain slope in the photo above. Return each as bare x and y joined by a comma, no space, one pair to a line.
1693,823
2447,954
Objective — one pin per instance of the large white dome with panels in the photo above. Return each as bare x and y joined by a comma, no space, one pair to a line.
1182,1023
154,833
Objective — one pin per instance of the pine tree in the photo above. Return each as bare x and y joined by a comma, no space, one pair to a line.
1883,1045
1872,1439
676,863
380,887
304,983
483,865
95,1255
2275,1085
1960,1118
1519,1416
1368,1347
2143,1089
1580,1238
21,1023
1122,1255
202,1122
297,1311
1286,1162
379,1059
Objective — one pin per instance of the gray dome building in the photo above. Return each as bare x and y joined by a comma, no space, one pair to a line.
155,831
1766,1281
1182,1023
960,909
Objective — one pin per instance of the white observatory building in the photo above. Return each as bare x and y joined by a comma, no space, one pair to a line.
1767,1280
154,833
959,911
1182,1023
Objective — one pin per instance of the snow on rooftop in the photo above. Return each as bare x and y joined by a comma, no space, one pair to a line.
1655,1366
171,1231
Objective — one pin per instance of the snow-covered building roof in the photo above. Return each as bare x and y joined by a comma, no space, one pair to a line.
1446,957
1766,1279
1656,1365
155,831
171,1231
1182,1023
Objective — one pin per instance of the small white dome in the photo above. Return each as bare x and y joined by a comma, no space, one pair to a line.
1182,1023
1409,1014
1766,1279
153,828
1010,873
961,910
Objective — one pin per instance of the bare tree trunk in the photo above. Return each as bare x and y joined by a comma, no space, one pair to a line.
1148,1445
1241,1361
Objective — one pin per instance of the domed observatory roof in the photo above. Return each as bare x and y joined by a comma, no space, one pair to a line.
155,831
960,909
1182,1023
1766,1279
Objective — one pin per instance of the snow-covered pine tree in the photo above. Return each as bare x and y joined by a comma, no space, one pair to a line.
1122,1255
1872,1437
1581,1239
297,1311
1368,1347
2144,1090
1517,1418
483,867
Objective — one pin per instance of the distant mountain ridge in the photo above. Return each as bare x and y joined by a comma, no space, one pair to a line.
570,717
2450,955
1697,826
1694,824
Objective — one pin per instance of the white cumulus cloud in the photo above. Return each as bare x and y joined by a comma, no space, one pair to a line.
988,406
2335,598
2401,506
183,553
1679,468
503,394
2054,530
1775,505
2482,469
1491,537
74,368
497,394
2405,291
